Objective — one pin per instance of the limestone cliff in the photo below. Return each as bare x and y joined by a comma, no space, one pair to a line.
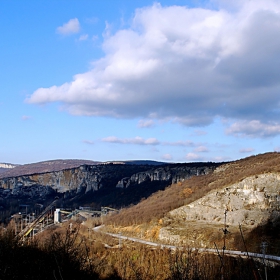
85,178
251,202
171,173
81,179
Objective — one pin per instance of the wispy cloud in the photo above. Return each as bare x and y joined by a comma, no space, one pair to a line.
201,149
25,118
167,157
136,140
92,20
89,142
193,157
153,141
83,37
186,143
221,158
246,150
145,123
254,129
70,27
199,132
94,38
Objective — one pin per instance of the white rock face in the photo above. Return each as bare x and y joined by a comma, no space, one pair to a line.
249,202
7,165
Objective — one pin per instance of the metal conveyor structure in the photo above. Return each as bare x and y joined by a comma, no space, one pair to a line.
28,229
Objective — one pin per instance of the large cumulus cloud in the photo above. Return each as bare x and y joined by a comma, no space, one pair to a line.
188,65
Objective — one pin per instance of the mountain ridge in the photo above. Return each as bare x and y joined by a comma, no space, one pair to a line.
15,170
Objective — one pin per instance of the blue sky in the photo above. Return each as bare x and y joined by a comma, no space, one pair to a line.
173,81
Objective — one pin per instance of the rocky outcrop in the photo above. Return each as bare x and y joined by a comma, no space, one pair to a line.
172,174
244,201
37,191
250,202
7,165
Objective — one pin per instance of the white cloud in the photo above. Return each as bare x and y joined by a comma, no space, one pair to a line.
200,132
71,27
89,142
186,143
246,150
167,157
145,123
83,37
188,65
201,149
149,141
92,20
25,118
254,129
193,157
136,140
221,159
94,37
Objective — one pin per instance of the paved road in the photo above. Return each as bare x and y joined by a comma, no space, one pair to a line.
227,252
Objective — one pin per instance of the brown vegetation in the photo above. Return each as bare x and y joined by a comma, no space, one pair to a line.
139,262
59,257
72,252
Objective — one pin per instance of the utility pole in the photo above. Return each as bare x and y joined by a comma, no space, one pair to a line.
16,221
20,221
225,231
263,250
251,261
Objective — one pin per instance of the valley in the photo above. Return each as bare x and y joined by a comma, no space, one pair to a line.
231,206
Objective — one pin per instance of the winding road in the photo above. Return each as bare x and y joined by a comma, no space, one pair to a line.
202,250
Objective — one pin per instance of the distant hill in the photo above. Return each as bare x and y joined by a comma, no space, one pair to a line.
6,166
14,170
2,170
44,167
139,162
